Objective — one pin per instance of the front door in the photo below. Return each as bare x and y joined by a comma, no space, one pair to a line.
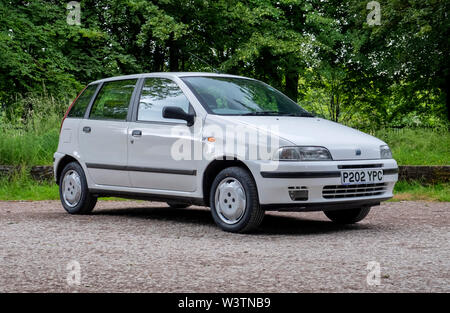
151,139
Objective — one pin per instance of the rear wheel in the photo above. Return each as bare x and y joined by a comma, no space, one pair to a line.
234,201
348,216
178,205
73,190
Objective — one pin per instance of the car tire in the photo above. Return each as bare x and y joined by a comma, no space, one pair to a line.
178,205
234,201
348,216
73,190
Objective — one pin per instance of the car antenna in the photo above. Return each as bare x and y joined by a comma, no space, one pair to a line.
203,61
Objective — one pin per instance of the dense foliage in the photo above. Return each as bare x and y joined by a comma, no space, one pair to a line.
323,54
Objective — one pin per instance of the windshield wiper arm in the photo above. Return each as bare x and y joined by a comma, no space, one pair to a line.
262,113
303,114
307,114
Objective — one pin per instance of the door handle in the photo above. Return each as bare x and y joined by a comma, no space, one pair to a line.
86,129
136,133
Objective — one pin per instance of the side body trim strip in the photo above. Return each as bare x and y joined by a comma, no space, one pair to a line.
141,169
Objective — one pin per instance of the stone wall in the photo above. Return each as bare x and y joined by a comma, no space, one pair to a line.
42,172
426,174
39,173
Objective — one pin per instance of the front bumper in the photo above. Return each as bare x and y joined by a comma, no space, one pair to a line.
275,182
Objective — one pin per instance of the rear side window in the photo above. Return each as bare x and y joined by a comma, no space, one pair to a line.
79,107
113,100
156,94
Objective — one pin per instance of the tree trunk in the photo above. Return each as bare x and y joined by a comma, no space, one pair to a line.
158,62
447,98
174,55
183,61
332,105
291,89
337,108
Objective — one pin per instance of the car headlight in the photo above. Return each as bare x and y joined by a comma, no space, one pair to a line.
385,152
302,154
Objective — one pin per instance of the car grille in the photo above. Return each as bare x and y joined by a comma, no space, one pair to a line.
353,191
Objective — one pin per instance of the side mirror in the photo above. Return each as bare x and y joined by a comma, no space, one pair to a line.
179,114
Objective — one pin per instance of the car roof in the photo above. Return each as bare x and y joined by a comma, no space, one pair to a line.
166,74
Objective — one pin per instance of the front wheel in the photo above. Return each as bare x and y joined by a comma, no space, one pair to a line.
348,216
234,201
73,190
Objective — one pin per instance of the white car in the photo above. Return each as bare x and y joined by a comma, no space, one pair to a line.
232,143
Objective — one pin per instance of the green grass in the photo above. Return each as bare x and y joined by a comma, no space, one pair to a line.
30,138
413,191
28,148
24,188
418,146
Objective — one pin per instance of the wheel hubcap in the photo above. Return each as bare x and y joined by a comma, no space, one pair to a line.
71,188
230,200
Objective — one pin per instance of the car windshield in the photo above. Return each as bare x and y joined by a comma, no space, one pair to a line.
240,96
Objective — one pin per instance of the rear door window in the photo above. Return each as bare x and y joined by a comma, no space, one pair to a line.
79,107
113,100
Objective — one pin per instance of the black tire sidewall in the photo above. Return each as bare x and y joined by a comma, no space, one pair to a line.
80,208
251,199
349,216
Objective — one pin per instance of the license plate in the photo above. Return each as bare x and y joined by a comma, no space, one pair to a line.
354,177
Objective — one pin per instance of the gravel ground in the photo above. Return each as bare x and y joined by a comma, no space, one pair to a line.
146,247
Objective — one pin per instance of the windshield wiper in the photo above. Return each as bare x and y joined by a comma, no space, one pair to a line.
276,113
261,113
303,114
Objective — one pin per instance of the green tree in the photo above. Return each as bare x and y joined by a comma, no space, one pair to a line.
410,48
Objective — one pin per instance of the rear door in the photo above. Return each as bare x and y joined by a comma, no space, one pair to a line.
68,138
103,135
151,160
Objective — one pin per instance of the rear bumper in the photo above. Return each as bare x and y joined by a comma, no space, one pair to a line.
315,177
56,159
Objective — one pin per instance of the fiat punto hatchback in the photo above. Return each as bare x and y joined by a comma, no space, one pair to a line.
232,143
